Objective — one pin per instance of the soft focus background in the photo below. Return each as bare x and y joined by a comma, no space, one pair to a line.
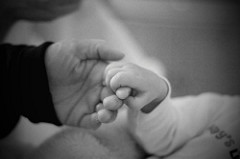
197,40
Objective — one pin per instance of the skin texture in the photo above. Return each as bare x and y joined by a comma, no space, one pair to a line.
75,73
145,84
139,88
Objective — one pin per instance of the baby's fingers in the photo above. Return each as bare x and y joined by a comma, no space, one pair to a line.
110,74
123,92
123,79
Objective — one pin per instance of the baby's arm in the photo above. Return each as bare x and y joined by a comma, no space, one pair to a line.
175,122
141,89
132,85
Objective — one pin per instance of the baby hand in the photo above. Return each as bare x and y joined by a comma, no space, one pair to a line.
75,70
147,88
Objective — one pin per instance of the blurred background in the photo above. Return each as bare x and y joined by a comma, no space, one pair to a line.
198,41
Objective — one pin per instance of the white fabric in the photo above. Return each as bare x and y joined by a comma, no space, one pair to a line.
200,127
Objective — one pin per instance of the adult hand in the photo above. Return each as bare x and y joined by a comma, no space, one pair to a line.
75,72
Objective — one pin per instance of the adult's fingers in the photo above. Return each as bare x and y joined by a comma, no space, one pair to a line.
90,121
106,91
106,116
112,103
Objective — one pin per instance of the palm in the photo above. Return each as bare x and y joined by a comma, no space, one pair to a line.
86,94
75,78
80,94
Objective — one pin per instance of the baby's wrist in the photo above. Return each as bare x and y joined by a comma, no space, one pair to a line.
165,90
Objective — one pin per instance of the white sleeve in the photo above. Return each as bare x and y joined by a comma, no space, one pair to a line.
176,121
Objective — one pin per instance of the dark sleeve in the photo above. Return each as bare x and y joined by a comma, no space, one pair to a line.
24,86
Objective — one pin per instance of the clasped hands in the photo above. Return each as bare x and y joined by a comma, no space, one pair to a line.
85,92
